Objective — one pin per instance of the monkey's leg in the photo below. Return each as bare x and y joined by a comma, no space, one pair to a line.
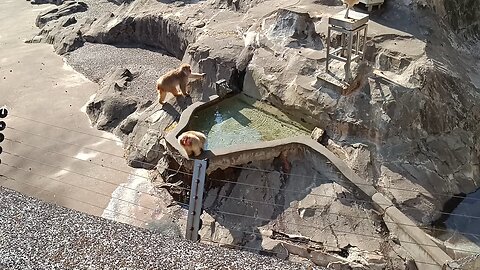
175,92
183,87
162,94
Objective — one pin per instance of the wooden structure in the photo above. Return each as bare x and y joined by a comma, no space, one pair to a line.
350,48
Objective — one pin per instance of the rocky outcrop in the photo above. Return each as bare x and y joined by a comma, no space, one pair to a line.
151,29
109,107
65,34
407,123
462,16
292,211
65,9
55,2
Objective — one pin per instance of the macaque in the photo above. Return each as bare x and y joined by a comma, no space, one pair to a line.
350,4
174,78
192,142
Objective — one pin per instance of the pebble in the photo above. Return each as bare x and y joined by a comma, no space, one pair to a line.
40,235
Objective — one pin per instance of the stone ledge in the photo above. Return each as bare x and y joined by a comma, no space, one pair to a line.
432,257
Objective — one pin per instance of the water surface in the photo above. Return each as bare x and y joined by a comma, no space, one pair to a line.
243,120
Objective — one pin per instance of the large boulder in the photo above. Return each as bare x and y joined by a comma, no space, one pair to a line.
55,2
65,34
110,107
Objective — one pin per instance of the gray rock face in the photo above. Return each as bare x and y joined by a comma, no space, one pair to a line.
65,9
408,123
237,5
148,30
109,107
293,29
462,16
292,211
55,2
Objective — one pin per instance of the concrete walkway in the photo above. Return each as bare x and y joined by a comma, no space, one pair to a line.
37,159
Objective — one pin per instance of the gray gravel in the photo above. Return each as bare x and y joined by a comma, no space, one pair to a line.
95,60
39,235
97,8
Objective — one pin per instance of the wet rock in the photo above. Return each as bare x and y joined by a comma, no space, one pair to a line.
67,8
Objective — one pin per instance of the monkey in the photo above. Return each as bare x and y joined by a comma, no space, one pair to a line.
350,4
192,142
174,78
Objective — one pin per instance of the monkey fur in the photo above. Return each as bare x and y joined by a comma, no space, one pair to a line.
350,4
176,78
193,142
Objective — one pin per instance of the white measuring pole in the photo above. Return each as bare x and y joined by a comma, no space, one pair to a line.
196,199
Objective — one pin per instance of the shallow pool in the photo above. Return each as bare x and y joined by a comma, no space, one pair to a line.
243,120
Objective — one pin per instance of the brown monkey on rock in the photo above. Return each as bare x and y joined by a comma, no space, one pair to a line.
192,142
174,78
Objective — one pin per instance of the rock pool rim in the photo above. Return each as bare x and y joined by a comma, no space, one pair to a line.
225,157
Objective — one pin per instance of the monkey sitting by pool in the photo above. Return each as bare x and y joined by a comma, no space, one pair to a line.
192,142
174,78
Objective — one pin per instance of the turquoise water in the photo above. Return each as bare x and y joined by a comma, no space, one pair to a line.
242,120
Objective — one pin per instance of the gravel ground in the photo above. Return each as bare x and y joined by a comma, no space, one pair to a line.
40,235
97,8
95,60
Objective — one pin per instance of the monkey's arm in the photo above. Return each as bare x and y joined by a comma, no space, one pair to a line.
196,75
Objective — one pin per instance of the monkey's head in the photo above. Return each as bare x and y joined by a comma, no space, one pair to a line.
186,141
186,69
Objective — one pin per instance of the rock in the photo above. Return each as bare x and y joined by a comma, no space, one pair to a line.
410,265
66,33
55,2
323,258
198,24
293,29
317,134
67,8
237,5
146,29
276,247
414,106
119,2
109,107
222,89
330,2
